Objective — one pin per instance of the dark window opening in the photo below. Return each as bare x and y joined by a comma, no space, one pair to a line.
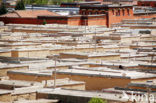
90,13
128,12
96,12
83,13
102,12
147,4
123,12
142,5
118,12
113,12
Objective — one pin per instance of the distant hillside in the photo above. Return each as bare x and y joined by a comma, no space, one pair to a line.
47,2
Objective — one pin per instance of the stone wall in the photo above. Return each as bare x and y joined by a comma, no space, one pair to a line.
5,97
97,83
3,71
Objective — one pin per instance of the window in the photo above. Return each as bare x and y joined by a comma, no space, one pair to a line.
123,12
113,12
118,12
103,12
128,12
96,12
83,13
142,5
147,4
90,13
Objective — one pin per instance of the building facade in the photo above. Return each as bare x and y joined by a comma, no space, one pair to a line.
113,13
150,3
105,15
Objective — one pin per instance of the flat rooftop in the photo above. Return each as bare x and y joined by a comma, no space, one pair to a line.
92,54
148,83
19,83
37,101
2,91
63,82
87,94
32,72
6,66
112,73
124,63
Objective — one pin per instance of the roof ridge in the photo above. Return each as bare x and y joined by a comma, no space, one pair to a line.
17,14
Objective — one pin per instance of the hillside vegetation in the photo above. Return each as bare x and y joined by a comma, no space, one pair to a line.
47,2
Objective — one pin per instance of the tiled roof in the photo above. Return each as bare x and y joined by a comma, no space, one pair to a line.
30,13
9,15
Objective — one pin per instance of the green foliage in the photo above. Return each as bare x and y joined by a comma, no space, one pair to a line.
37,2
44,22
46,2
97,100
29,1
41,2
20,5
3,9
55,2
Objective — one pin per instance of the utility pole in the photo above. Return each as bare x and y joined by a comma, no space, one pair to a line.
148,94
152,56
55,58
13,86
95,39
85,26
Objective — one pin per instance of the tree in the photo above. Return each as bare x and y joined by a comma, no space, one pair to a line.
29,2
3,9
20,5
56,2
44,22
48,2
97,100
